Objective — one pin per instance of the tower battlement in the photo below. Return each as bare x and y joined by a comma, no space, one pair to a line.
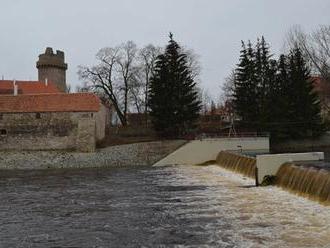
51,66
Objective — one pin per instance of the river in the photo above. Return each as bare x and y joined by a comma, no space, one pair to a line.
181,206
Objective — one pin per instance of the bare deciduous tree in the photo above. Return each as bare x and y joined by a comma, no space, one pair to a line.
193,62
206,100
127,71
104,79
148,57
227,89
122,76
315,47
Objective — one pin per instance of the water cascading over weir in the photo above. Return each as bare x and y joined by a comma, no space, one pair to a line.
311,181
305,180
237,163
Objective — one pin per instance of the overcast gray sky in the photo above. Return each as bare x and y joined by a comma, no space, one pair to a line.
213,28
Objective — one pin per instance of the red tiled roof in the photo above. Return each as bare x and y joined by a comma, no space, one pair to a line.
27,87
78,102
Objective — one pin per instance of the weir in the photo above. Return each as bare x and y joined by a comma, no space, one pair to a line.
308,180
201,151
237,163
309,177
269,164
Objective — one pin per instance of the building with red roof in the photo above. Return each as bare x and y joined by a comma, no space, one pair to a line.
40,115
55,121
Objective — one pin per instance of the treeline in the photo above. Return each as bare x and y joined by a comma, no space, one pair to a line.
121,77
159,83
275,96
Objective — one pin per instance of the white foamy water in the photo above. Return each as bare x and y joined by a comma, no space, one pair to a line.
261,216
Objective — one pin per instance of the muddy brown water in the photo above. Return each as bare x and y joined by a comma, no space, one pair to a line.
182,206
308,179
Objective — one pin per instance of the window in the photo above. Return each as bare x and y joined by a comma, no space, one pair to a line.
3,132
1,116
38,116
92,115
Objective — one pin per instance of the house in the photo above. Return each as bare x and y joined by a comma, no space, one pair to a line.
40,115
51,122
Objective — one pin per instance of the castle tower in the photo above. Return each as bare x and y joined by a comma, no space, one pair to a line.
52,67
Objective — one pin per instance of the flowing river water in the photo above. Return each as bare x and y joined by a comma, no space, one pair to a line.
181,206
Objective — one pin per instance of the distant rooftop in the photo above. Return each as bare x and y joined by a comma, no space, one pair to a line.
27,87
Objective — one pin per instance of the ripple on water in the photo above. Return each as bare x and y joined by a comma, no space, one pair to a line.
153,207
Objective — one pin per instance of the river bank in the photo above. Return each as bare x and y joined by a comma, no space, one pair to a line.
319,144
139,154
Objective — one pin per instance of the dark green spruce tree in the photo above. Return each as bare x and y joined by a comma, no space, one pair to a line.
173,97
276,96
265,79
245,96
280,96
304,104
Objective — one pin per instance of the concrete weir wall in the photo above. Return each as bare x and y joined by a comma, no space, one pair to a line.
201,151
268,165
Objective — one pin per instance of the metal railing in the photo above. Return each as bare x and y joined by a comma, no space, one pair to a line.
236,135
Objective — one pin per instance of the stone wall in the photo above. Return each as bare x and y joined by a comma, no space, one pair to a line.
102,119
86,135
49,131
139,154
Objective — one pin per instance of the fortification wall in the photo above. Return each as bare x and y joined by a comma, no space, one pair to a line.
102,119
48,131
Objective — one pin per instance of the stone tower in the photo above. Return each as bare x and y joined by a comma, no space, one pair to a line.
52,67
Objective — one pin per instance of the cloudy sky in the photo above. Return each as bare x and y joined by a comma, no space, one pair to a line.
213,28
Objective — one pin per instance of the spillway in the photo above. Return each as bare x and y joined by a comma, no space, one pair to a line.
306,179
237,163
